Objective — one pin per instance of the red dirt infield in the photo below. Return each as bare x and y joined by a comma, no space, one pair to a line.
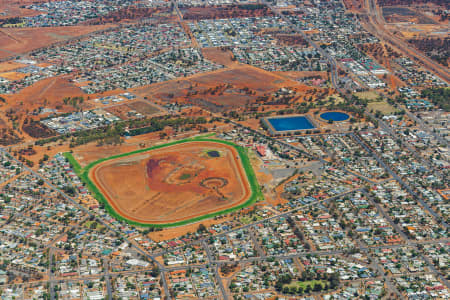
173,183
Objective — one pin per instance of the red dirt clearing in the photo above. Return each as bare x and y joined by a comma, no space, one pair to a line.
174,183
14,41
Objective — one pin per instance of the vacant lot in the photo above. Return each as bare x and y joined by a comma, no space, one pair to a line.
14,41
220,90
128,110
398,14
368,95
49,90
144,108
12,76
10,65
382,106
435,48
220,56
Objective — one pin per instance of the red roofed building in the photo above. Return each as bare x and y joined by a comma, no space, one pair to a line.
261,150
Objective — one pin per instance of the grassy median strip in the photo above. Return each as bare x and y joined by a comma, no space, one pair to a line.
83,173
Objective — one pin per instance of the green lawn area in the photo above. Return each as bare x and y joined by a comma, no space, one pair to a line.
83,173
185,176
88,224
384,107
248,219
304,284
367,95
335,99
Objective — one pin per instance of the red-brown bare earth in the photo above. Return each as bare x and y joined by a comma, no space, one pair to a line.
226,11
220,56
15,8
14,41
244,84
174,183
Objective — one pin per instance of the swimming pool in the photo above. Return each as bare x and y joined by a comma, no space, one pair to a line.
335,116
290,123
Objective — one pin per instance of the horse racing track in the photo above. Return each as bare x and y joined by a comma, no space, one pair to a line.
175,183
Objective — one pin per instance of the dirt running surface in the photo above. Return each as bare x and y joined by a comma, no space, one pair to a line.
174,183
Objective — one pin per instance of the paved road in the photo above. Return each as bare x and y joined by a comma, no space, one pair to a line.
216,264
387,280
292,147
107,279
251,225
331,60
304,254
399,180
409,242
386,216
177,9
82,208
50,273
426,128
216,270
409,147
377,22
257,245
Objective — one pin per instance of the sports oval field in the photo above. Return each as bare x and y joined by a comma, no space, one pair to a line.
175,183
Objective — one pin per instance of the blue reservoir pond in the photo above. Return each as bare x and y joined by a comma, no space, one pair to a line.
291,123
335,116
